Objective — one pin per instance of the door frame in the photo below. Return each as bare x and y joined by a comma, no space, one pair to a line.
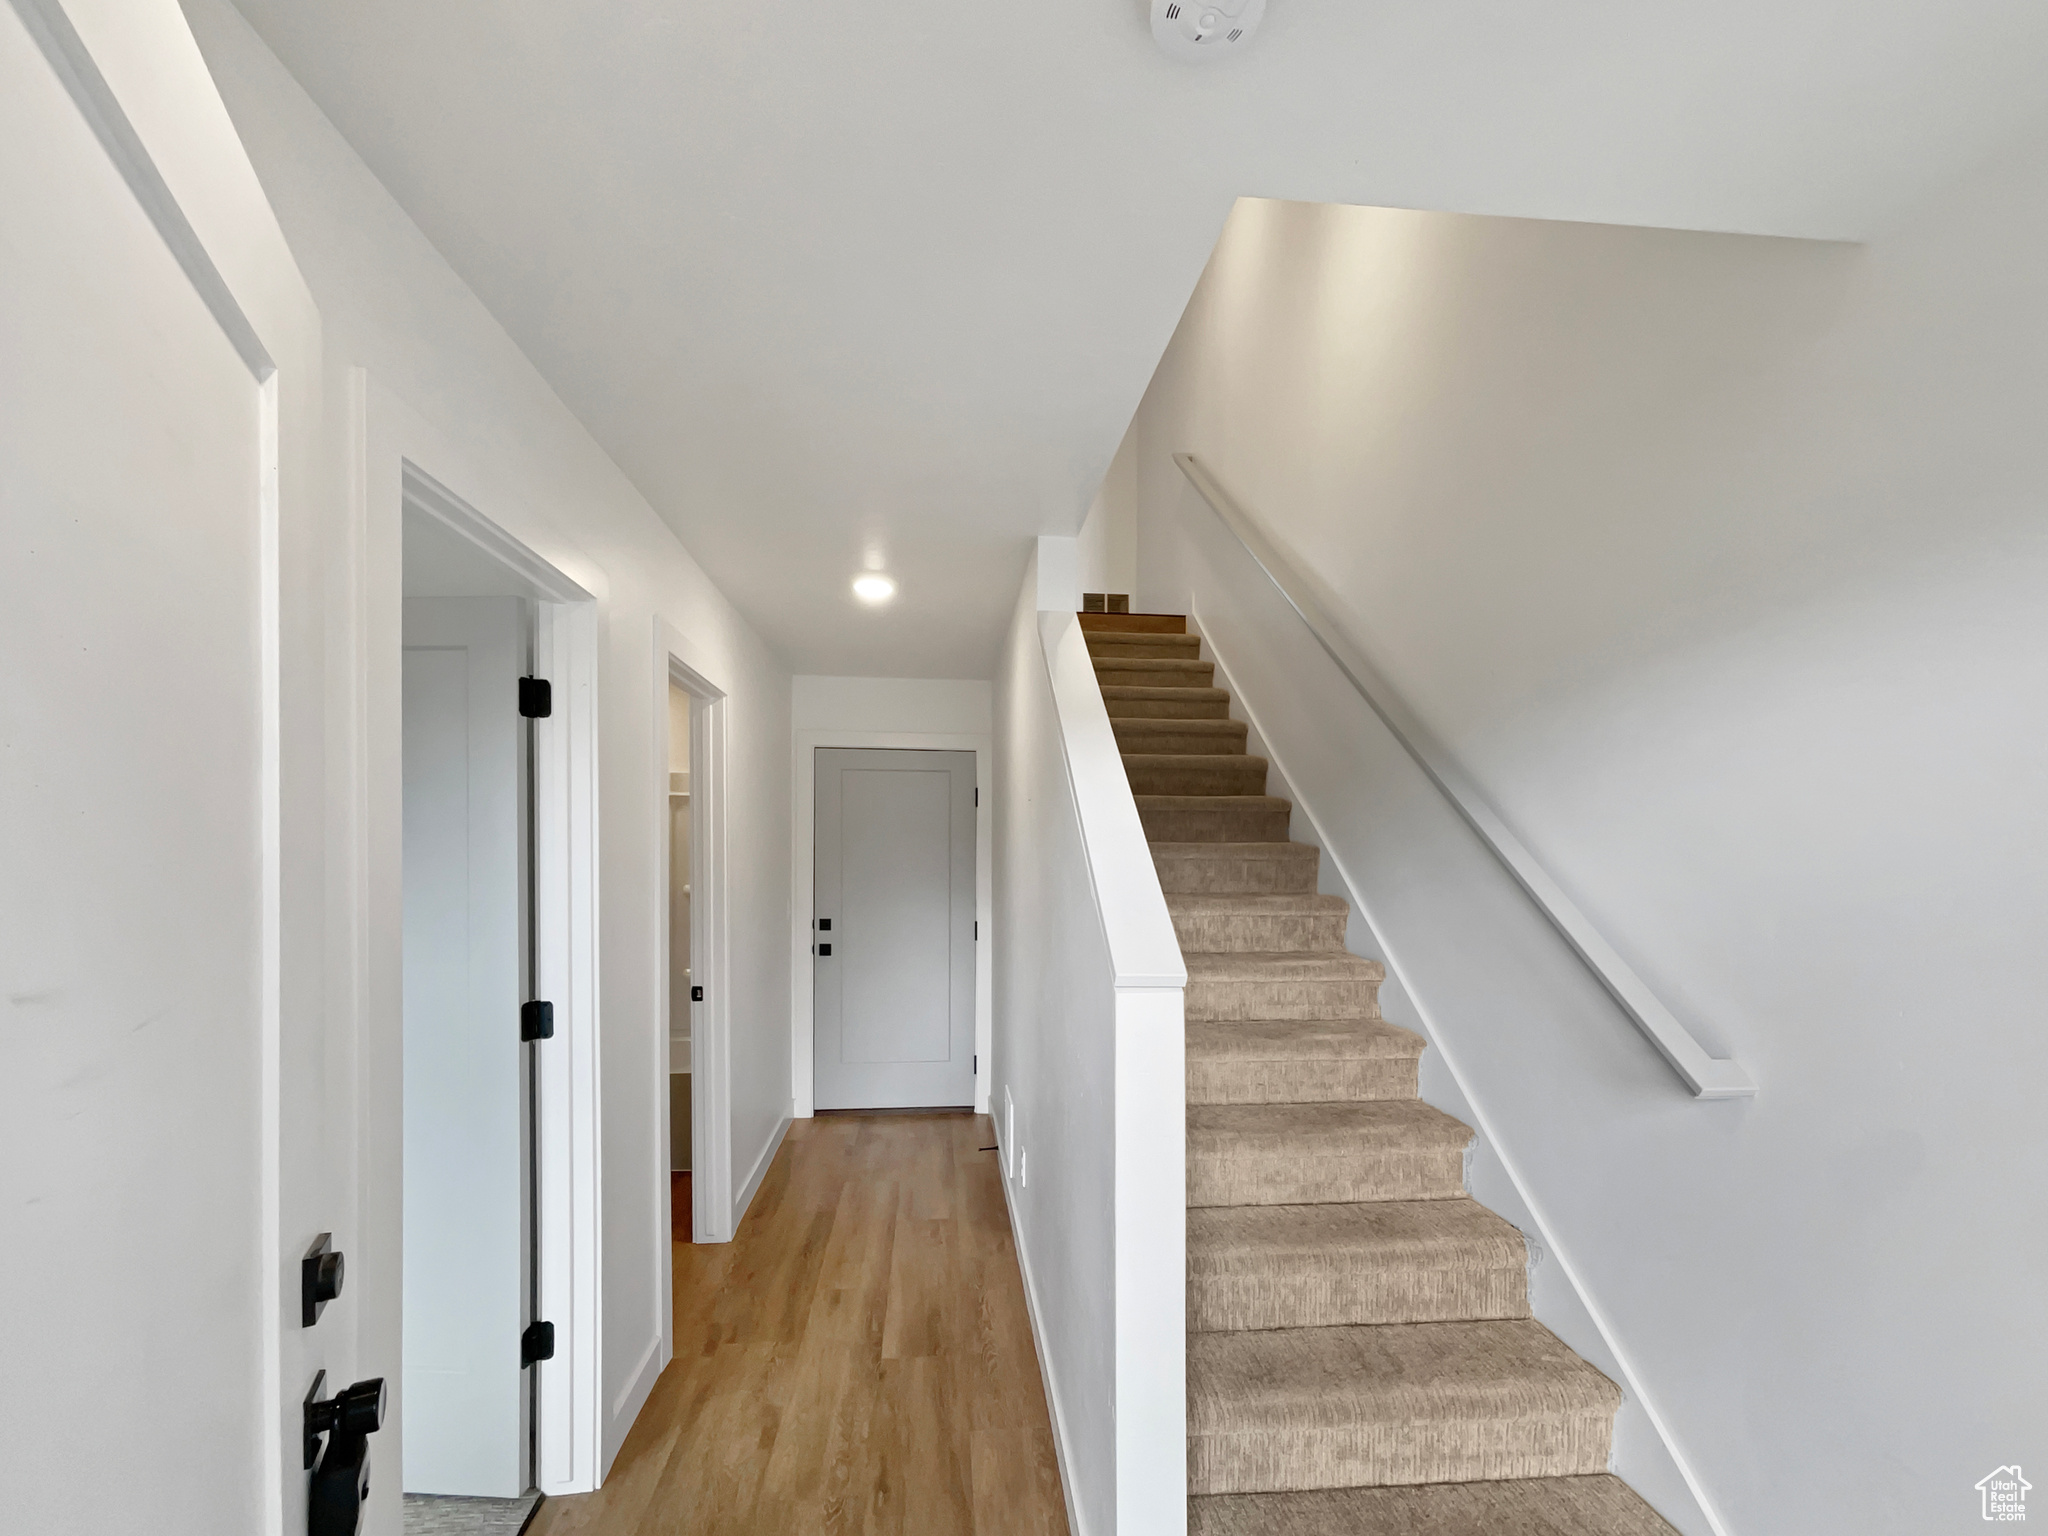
401,460
680,662
715,1206
803,822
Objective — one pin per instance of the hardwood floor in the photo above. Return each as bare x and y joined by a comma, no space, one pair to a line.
857,1360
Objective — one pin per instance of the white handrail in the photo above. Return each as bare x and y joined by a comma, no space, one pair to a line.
1707,1076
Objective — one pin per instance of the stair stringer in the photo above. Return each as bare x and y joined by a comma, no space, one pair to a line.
1645,1454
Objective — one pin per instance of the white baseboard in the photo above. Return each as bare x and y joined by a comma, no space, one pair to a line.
1075,1524
759,1172
631,1399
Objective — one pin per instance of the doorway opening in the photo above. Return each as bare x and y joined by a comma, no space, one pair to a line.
681,1109
492,663
690,1073
694,1098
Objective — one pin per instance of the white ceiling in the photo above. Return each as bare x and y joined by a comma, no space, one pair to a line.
889,279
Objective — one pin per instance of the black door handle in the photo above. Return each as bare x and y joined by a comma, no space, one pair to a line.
341,1468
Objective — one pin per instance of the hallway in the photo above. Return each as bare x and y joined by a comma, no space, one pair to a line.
857,1360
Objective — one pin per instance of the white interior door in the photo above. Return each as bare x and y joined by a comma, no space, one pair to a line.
143,1071
893,929
464,1420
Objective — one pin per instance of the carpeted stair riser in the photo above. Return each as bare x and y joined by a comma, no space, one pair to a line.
1402,1403
1315,985
1134,624
1203,737
1352,1080
1111,647
1215,819
1329,1266
1300,1061
1154,672
1323,1154
1595,1505
1232,868
1222,773
1224,923
1166,704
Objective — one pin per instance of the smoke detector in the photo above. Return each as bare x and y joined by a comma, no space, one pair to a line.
1205,29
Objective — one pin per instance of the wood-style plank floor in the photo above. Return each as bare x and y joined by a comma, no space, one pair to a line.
857,1360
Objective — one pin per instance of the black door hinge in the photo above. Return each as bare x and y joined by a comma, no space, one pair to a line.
977,932
977,794
977,1064
696,994
536,698
536,1344
536,1020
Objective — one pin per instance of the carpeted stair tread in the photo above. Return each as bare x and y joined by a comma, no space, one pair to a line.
1178,737
1333,1153
1326,1266
1398,1403
1154,672
1294,984
1134,623
1166,703
1120,644
1596,1505
1195,773
1234,868
1295,920
1217,819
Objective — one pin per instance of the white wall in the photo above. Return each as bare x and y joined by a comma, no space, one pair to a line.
956,707
1088,1075
1108,541
392,306
934,714
678,731
1721,564
1054,1059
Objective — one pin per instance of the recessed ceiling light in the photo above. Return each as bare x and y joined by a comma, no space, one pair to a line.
873,587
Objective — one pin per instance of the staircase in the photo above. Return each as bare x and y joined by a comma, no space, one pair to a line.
1361,1356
